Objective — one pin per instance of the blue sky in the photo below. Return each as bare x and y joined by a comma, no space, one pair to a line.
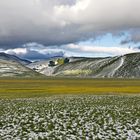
106,41
38,29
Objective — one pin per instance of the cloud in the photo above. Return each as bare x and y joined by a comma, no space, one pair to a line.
127,40
17,51
58,22
34,51
102,50
134,37
35,55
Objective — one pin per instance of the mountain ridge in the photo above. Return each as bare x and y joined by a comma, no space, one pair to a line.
124,66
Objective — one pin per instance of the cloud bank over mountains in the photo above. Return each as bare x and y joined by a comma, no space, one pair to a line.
61,22
34,51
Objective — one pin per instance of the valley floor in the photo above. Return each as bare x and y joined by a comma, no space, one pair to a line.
69,117
69,109
28,88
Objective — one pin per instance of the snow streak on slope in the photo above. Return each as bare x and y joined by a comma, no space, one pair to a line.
120,64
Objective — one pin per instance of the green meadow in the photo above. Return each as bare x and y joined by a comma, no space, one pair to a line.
28,88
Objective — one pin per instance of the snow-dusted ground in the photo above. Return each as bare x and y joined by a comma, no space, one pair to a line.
71,118
126,66
119,65
38,65
42,67
13,69
10,68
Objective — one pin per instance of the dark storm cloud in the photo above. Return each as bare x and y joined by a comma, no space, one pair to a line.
134,37
126,41
35,55
57,22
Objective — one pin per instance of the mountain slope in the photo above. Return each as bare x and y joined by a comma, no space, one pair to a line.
126,66
130,67
42,66
14,69
8,57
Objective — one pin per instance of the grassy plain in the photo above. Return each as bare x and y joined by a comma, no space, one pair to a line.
74,112
28,88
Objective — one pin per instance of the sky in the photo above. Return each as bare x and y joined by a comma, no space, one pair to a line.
39,29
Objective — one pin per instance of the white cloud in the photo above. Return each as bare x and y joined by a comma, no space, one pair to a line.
34,51
101,49
17,51
33,46
57,22
101,14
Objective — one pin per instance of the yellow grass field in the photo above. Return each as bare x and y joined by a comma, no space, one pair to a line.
27,88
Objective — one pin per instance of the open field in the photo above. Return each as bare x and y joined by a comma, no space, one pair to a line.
69,109
80,117
26,88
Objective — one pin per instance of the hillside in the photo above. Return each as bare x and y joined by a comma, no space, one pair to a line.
126,66
14,69
42,66
8,57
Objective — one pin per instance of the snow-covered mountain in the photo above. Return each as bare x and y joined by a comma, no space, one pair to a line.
126,66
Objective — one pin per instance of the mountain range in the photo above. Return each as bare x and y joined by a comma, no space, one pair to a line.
125,66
